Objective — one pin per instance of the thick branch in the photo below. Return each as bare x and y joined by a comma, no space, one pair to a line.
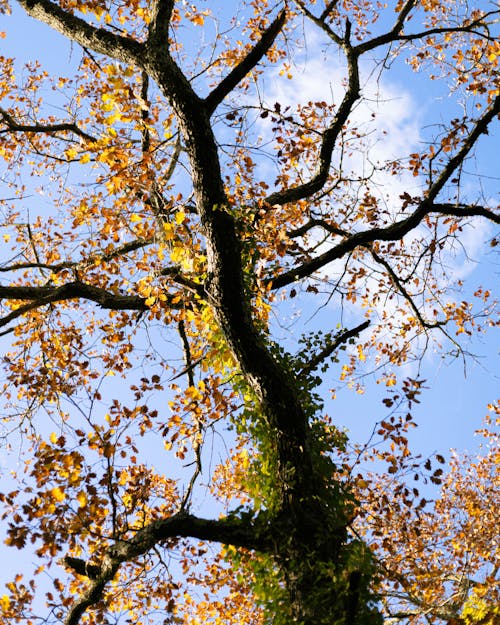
88,599
161,14
250,535
42,295
237,74
225,285
394,232
466,210
100,40
393,33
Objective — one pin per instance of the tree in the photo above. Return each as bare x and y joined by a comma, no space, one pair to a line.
185,211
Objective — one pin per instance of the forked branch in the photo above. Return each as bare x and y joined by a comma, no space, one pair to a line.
251,535
239,72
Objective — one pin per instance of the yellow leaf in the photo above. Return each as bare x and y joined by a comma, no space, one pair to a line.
85,158
135,218
53,438
361,354
168,230
5,602
116,117
180,216
82,499
58,494
177,254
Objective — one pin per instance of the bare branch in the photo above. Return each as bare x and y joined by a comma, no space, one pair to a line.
395,33
330,135
402,289
58,267
481,127
237,74
198,437
320,21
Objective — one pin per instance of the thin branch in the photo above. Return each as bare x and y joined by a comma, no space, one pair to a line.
327,351
217,95
395,35
130,246
320,21
316,223
481,127
13,126
402,289
330,135
199,435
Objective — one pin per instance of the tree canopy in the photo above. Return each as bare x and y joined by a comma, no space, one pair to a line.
168,210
